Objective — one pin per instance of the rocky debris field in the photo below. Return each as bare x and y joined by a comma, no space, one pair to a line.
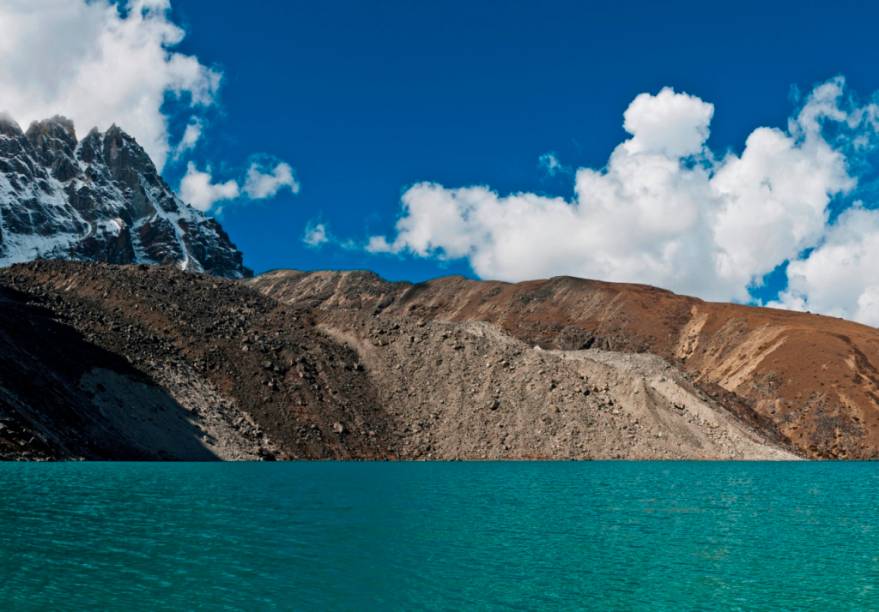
803,380
254,377
62,396
152,362
468,391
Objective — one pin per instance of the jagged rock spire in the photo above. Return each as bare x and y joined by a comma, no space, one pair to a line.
98,199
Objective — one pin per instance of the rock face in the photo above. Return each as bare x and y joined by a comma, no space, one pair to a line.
152,362
812,380
98,199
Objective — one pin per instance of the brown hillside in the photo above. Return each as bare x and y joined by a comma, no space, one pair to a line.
143,362
813,378
252,377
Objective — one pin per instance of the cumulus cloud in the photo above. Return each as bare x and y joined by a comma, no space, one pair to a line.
666,210
198,189
841,276
316,235
263,182
669,123
99,63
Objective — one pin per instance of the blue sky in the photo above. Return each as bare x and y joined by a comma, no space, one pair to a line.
365,100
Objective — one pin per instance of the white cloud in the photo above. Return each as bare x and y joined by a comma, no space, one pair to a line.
198,189
263,182
665,210
316,235
868,306
99,64
669,123
841,276
191,135
379,244
775,195
551,165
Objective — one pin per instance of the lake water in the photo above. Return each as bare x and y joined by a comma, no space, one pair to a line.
324,536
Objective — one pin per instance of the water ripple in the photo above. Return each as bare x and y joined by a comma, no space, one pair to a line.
522,536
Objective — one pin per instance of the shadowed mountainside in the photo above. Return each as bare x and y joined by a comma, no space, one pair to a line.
60,396
253,374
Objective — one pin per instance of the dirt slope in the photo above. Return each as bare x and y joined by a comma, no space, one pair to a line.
814,379
179,365
469,391
240,365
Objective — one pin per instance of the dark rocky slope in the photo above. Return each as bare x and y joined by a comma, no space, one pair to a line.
62,396
214,346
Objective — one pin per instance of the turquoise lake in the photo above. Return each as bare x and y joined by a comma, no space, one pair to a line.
450,536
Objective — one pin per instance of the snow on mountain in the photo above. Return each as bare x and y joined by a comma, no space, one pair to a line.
98,199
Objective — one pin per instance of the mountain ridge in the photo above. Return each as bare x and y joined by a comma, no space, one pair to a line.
255,377
344,364
98,199
812,377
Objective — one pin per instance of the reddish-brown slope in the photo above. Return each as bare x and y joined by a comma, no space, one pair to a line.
815,378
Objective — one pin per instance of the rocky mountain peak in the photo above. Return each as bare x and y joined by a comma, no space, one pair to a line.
98,199
57,127
125,158
54,142
9,127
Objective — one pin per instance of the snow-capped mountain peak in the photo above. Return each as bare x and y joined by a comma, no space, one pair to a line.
98,199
